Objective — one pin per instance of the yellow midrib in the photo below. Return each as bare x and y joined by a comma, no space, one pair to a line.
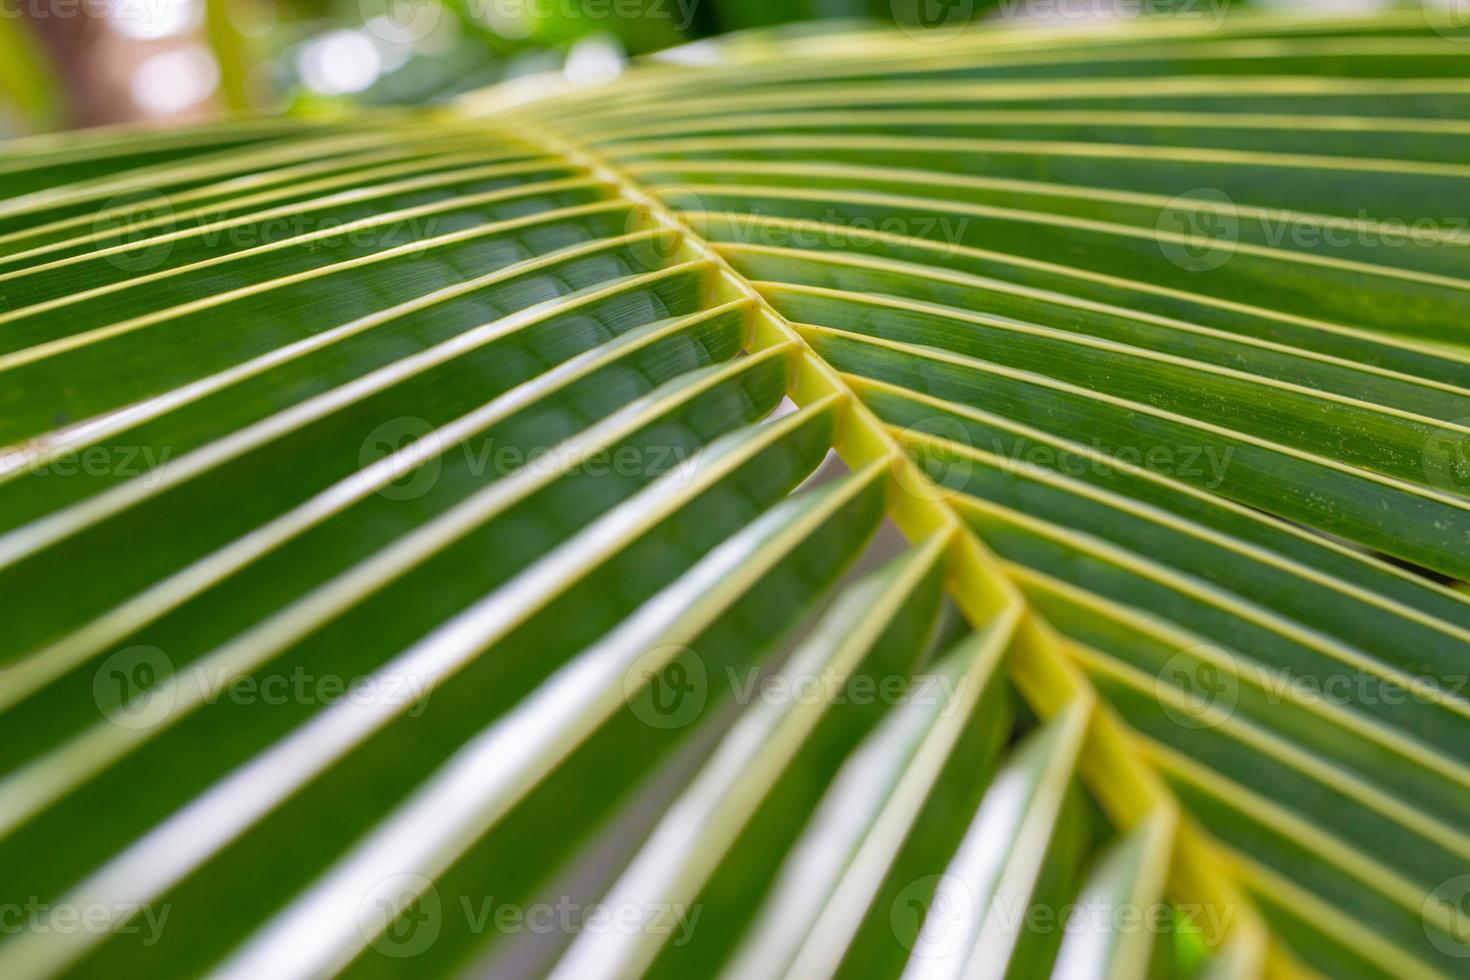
1127,786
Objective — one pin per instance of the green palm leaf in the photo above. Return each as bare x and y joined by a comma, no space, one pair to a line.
423,549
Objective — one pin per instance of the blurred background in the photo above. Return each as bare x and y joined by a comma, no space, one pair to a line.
72,63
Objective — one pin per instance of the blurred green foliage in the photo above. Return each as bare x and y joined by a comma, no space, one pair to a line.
309,56
476,42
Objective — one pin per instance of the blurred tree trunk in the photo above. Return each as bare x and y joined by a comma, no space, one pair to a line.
96,64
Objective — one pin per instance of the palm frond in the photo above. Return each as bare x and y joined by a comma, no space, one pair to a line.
420,528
